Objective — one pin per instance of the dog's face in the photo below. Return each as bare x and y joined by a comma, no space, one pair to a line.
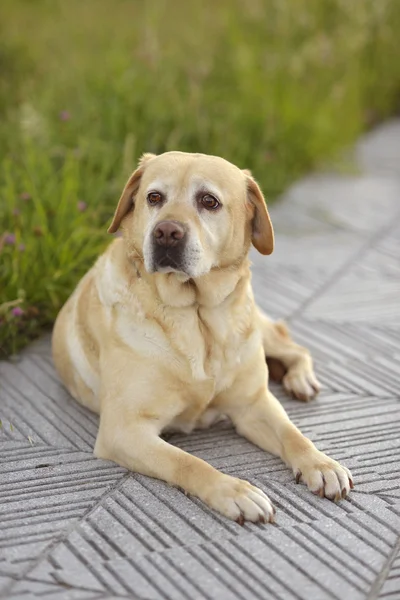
190,213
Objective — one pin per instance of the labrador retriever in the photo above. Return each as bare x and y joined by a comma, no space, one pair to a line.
163,334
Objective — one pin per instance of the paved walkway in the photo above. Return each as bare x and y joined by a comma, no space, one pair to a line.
73,527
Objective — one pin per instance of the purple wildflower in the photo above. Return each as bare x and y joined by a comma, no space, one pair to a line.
16,212
9,239
21,247
25,196
17,311
64,115
82,206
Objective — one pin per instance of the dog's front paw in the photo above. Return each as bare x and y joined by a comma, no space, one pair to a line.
301,383
240,501
324,476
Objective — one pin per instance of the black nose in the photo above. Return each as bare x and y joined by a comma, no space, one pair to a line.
168,233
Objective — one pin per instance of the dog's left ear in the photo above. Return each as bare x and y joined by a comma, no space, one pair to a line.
262,231
126,201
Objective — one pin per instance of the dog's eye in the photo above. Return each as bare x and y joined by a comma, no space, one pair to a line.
209,202
154,198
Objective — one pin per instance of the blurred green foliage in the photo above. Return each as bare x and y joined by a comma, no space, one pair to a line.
87,85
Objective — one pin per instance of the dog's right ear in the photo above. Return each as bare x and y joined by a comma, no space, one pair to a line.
127,198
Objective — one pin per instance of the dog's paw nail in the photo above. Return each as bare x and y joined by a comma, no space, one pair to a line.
351,483
240,520
344,493
302,397
298,476
262,519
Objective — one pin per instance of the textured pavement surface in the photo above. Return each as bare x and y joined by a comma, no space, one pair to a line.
73,527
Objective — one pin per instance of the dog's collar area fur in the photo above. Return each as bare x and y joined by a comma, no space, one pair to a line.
207,291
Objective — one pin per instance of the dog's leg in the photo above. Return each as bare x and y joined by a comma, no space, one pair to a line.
287,361
260,417
129,436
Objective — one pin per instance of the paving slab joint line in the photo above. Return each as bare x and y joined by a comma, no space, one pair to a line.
62,536
382,576
346,265
58,585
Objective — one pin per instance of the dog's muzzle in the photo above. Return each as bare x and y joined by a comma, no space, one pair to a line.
168,245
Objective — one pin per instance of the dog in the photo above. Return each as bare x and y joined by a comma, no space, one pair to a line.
163,334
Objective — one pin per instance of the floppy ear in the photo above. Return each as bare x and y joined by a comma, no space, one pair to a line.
262,233
126,201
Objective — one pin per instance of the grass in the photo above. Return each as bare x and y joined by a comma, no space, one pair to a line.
87,86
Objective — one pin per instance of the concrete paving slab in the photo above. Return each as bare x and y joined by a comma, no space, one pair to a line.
74,527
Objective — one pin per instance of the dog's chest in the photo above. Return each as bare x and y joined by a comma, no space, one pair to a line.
214,346
213,343
200,351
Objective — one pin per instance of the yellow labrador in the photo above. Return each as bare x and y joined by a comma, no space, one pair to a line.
163,334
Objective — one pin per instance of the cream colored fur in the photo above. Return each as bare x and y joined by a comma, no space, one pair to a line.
154,349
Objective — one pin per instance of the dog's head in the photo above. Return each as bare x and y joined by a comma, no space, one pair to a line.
191,213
